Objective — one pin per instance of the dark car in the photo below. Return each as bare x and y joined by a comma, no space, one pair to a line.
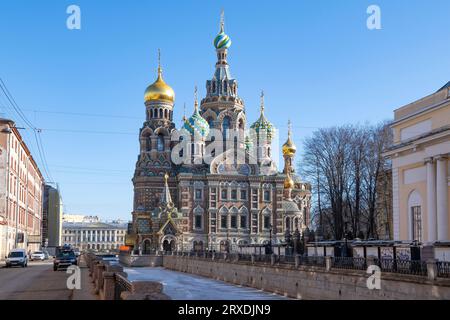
64,259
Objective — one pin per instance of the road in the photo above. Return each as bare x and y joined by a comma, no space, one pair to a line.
39,282
181,286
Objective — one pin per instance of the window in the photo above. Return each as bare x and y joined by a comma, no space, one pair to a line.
243,222
266,222
224,194
234,194
416,223
243,194
225,126
223,222
233,222
198,194
160,143
198,222
266,195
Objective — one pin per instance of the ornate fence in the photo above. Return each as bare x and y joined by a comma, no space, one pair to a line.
443,269
349,263
400,266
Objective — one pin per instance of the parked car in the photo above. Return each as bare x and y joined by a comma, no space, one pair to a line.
109,257
17,257
37,255
64,259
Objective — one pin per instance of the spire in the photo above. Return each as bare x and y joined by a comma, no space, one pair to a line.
159,63
262,102
184,112
289,128
195,100
166,199
222,21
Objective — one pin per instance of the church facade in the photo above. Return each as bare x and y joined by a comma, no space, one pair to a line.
219,195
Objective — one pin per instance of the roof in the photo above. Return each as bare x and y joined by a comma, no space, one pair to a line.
446,86
290,206
94,225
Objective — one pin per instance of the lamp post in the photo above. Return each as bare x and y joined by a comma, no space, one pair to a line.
270,239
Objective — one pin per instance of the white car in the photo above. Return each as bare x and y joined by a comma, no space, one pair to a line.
17,257
38,255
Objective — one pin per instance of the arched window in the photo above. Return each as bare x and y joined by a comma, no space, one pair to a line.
160,143
165,113
211,122
225,125
160,113
288,223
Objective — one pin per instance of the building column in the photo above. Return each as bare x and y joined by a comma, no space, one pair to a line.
441,197
431,200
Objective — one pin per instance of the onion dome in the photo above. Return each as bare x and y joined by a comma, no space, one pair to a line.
288,182
159,90
196,123
248,143
289,148
262,125
222,40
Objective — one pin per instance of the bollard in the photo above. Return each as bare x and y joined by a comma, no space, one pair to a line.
432,270
273,259
328,263
297,260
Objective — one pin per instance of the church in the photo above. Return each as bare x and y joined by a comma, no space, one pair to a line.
220,196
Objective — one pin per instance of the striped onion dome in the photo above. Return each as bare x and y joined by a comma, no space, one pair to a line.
222,40
197,124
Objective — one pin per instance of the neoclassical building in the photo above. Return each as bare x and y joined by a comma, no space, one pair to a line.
420,169
219,196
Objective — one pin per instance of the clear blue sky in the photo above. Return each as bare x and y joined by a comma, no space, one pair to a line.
316,61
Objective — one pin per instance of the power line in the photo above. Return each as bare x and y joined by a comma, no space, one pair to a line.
16,107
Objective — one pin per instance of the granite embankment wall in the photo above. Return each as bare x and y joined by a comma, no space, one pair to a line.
310,282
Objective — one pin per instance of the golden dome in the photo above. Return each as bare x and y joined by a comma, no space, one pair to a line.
159,90
289,148
288,182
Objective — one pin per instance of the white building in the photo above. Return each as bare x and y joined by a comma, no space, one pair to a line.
420,171
96,235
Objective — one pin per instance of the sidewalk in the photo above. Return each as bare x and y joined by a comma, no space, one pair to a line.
87,287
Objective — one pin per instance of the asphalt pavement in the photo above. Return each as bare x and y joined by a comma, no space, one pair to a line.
38,281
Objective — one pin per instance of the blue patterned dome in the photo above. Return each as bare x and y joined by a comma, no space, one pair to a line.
262,125
222,40
197,124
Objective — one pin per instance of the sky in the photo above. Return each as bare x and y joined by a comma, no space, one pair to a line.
316,61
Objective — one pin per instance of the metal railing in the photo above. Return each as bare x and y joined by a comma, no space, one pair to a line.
122,284
403,266
443,268
349,263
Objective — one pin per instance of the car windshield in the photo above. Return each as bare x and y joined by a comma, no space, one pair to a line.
37,252
16,254
66,254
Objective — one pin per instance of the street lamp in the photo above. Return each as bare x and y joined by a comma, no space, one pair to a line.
270,238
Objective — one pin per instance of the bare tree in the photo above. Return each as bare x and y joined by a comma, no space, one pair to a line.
346,167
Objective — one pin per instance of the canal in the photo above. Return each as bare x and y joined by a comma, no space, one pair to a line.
183,286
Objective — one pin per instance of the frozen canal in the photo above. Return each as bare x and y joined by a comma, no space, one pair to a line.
183,286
